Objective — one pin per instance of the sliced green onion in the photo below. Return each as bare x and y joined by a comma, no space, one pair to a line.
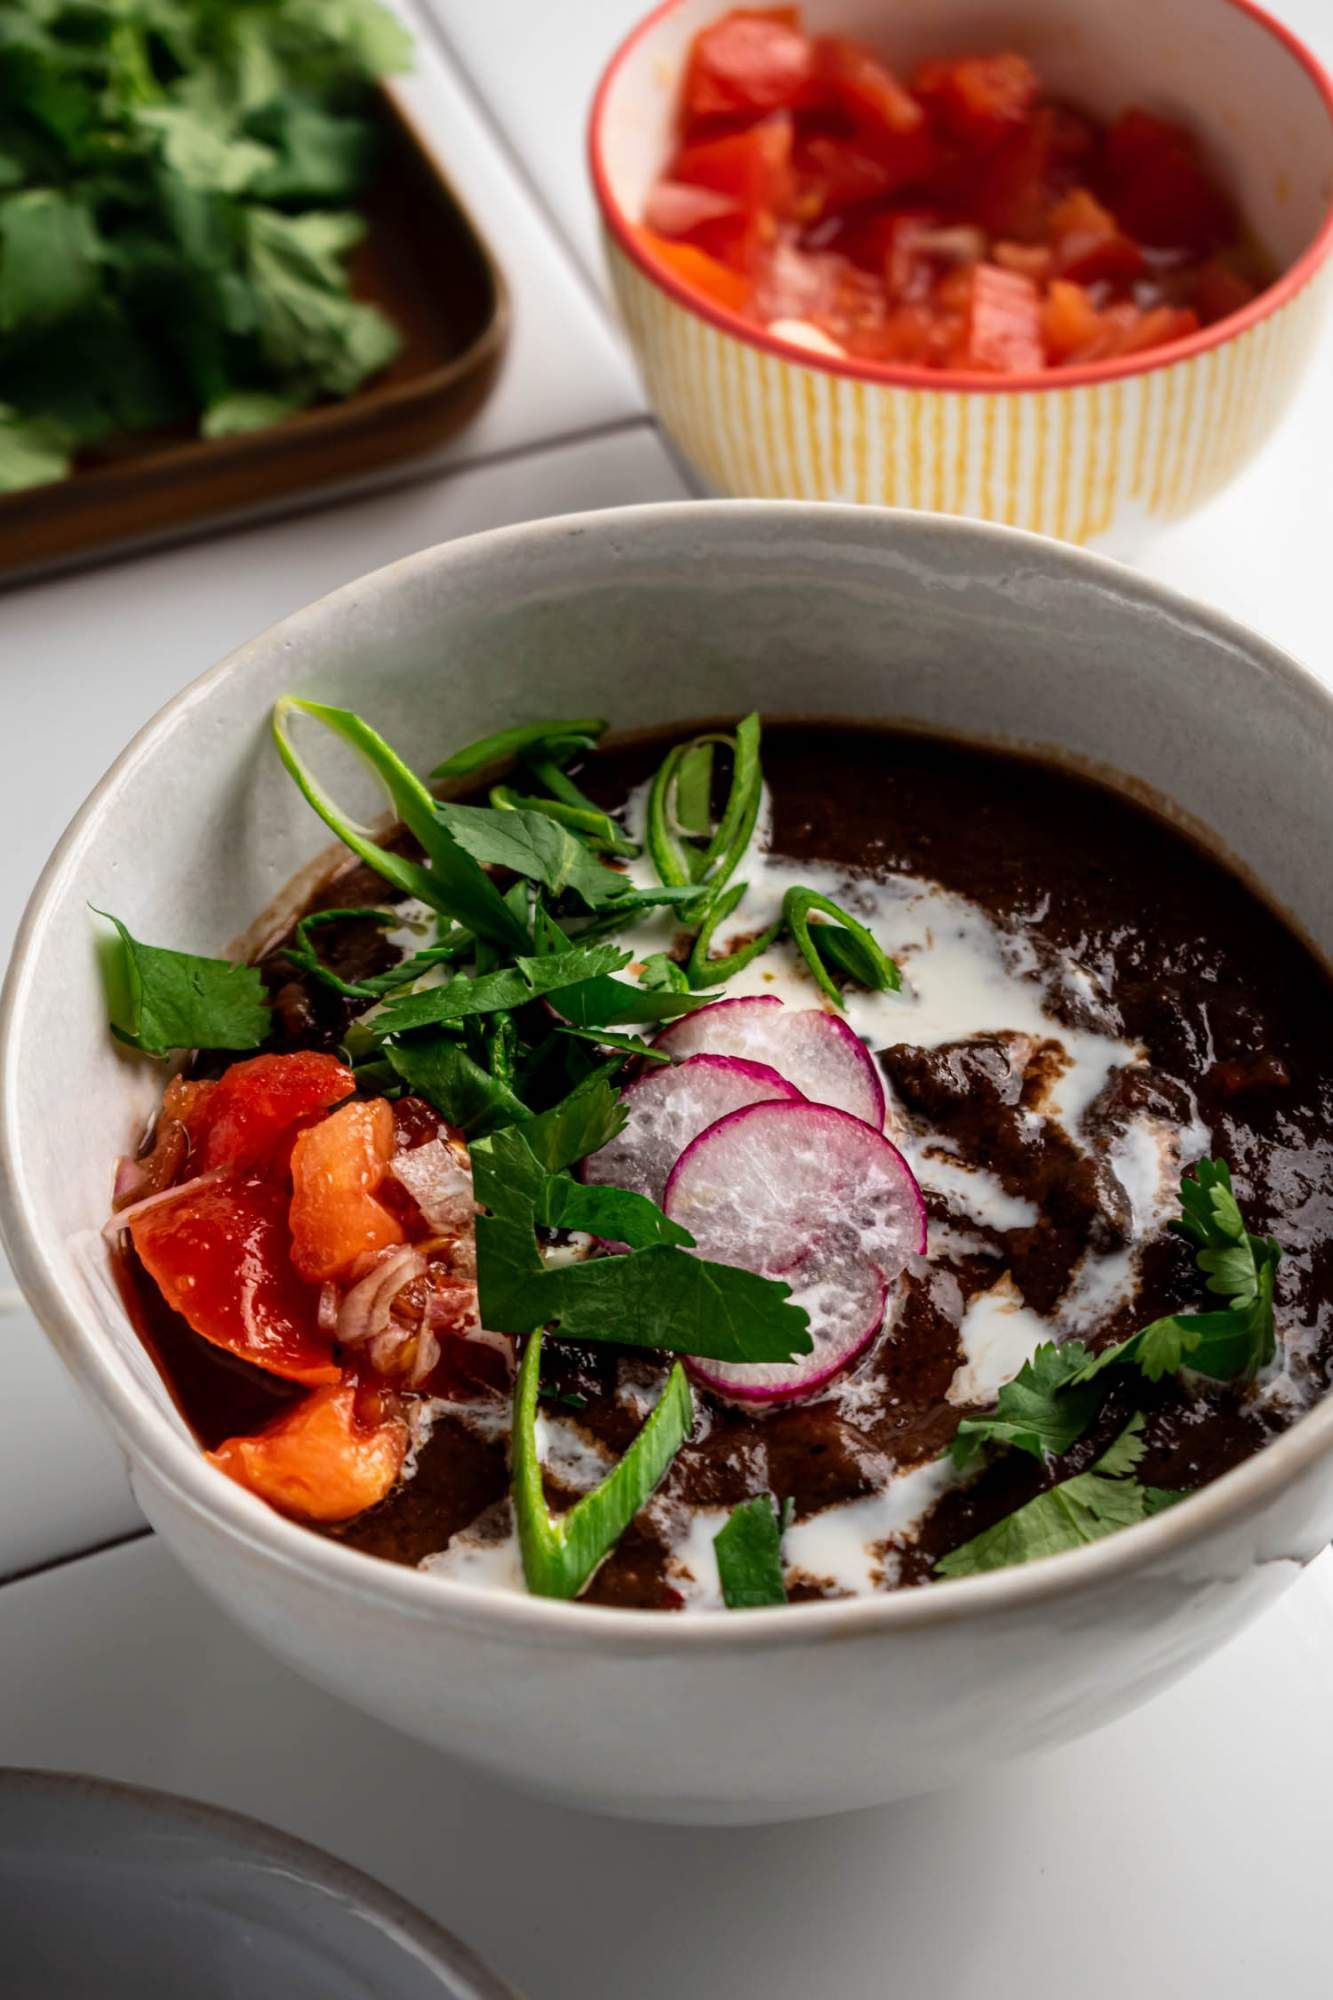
706,971
561,1552
303,954
561,738
454,882
597,828
879,972
678,805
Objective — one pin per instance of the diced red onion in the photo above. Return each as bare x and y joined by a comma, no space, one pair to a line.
365,1310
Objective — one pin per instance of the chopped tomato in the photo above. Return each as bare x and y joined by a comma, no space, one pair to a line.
1070,321
1001,321
702,273
752,61
1158,188
220,1254
326,1460
970,221
851,80
979,100
255,1104
1218,292
753,169
336,1167
675,209
1089,243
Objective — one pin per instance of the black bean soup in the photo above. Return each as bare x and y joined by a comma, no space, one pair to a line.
1089,1004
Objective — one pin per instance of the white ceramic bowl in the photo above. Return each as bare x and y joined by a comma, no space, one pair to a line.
1104,454
656,615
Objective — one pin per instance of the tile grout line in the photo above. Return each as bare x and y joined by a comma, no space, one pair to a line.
112,1542
433,26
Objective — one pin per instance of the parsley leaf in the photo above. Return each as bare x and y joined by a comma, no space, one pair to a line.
1227,1346
533,845
1043,1411
163,1000
590,1117
561,1552
498,992
1094,1503
658,1296
749,1556
515,1184
465,1094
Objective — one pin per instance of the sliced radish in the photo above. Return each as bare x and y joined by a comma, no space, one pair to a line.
670,1107
816,1051
811,1194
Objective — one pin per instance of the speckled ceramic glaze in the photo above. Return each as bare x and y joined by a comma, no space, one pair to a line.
110,1892
658,615
1102,454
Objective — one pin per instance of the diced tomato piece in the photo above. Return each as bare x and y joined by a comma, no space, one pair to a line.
1218,291
1158,188
753,169
1159,327
322,1461
1033,260
851,79
1011,194
220,1255
702,273
1090,245
752,61
834,174
1069,319
1001,321
336,1167
676,209
155,1170
256,1103
979,100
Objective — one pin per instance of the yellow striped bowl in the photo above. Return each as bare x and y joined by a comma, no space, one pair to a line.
1097,455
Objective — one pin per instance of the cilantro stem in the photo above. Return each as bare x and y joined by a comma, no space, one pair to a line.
561,1552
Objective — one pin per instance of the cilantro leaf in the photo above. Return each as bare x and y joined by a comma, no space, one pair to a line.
496,992
601,1003
1069,1516
581,1123
749,1556
162,1000
514,1184
1048,1405
468,1096
309,328
533,845
33,451
50,258
561,1552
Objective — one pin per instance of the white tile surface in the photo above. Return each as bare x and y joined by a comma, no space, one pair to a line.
1181,1853
564,369
86,660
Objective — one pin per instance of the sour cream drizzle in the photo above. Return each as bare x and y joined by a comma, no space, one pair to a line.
963,975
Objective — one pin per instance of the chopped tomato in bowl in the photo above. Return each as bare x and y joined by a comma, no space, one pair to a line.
957,216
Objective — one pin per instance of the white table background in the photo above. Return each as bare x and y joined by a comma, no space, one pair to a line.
1185,1850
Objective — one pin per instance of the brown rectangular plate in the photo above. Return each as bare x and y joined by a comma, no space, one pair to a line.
426,264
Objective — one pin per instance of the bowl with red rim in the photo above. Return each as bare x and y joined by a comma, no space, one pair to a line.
1099,451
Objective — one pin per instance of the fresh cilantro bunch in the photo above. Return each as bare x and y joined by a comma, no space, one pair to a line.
175,181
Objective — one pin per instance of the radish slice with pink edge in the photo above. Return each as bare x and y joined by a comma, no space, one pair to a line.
669,1107
811,1194
816,1051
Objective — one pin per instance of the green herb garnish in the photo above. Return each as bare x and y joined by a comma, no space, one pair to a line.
1079,1510
174,221
1229,1345
162,1000
686,849
657,1295
749,1556
1043,1411
556,741
562,1551
856,950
